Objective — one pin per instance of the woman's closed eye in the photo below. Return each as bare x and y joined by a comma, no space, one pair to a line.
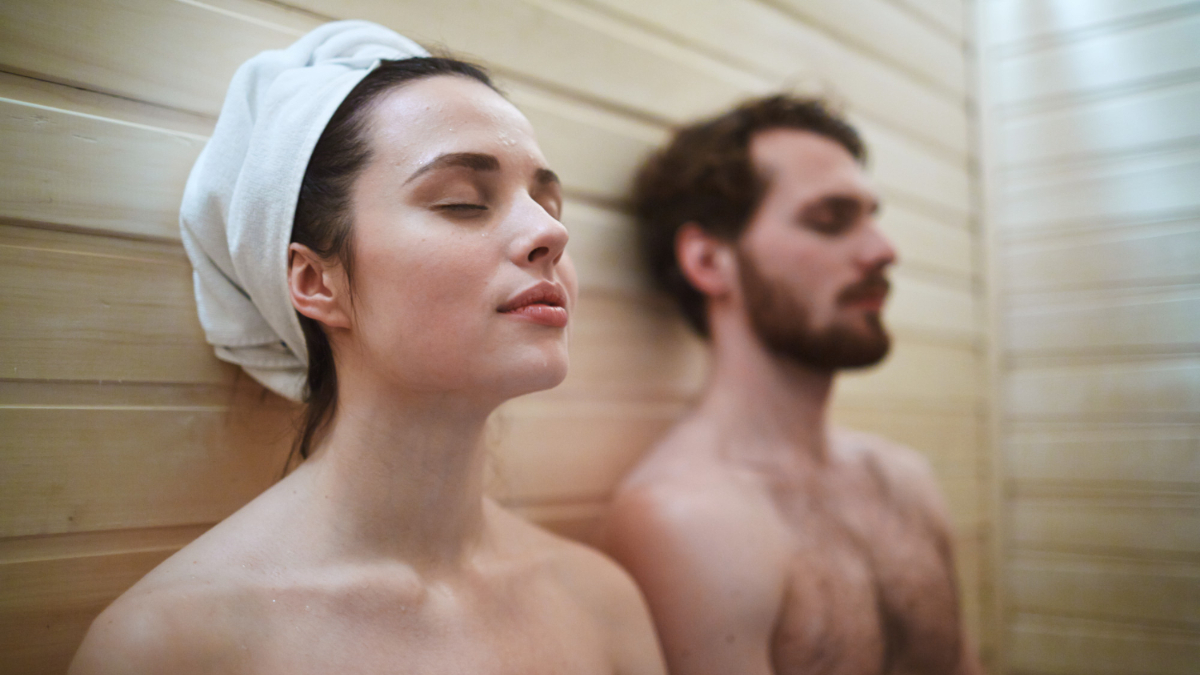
461,208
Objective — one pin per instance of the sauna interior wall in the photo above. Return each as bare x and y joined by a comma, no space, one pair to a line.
1093,127
123,438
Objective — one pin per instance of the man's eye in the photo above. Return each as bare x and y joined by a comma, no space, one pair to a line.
461,207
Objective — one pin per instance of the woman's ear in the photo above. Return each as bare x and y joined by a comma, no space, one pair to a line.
319,289
706,261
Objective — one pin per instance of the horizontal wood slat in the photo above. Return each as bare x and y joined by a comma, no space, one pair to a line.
1165,594
1133,390
1106,322
1142,529
1145,254
1117,191
1110,126
1114,456
1057,646
1030,19
771,41
1106,61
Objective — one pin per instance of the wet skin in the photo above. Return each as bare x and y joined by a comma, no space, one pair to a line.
380,553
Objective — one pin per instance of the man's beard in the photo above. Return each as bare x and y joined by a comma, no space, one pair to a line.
781,322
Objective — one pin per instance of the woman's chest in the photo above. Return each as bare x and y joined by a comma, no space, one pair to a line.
449,635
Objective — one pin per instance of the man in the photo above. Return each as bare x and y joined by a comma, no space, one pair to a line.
765,541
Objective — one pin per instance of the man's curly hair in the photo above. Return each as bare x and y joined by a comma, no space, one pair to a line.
704,176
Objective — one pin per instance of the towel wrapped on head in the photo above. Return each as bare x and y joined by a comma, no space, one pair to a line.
240,199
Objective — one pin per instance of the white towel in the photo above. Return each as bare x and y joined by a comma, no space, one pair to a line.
240,199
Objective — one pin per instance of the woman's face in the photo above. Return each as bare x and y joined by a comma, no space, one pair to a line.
461,282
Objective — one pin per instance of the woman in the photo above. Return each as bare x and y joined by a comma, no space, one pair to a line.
427,266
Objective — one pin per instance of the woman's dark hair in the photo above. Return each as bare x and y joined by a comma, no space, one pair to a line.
323,221
705,176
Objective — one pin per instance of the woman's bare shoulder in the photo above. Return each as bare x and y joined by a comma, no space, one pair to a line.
596,584
167,622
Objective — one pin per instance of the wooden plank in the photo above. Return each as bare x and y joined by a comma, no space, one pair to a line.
792,53
98,468
892,35
1113,456
1113,322
900,165
48,605
1110,390
1154,529
559,46
948,15
84,171
74,316
1141,255
594,151
169,53
631,347
1062,646
1103,62
549,451
928,243
1107,589
930,308
1116,191
1018,20
1142,120
916,376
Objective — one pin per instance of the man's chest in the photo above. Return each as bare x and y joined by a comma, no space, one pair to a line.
870,589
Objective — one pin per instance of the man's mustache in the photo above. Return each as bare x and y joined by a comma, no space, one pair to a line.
875,285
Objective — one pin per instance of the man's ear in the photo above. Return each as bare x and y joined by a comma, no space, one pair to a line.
319,289
707,262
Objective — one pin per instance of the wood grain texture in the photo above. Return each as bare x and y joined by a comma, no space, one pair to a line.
1118,59
1064,646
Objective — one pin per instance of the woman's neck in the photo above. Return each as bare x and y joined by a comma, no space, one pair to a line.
401,477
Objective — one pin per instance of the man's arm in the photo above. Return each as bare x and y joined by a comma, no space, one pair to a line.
712,569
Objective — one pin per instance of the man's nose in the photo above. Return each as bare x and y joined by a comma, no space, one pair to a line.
877,250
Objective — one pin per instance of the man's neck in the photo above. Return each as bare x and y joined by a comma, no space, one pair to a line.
774,403
401,476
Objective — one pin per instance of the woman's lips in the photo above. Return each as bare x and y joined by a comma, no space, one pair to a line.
544,304
546,315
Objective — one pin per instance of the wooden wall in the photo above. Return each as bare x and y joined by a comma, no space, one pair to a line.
1093,121
123,438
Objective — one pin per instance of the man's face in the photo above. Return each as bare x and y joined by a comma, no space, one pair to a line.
811,261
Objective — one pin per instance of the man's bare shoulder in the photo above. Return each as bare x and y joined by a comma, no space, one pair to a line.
907,473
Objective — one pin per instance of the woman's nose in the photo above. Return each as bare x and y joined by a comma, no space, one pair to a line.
543,238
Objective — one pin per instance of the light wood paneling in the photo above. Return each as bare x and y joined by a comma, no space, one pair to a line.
1116,191
1082,322
1110,589
1093,180
893,35
1151,389
1153,118
1029,19
1154,50
770,41
1159,528
1145,254
1057,646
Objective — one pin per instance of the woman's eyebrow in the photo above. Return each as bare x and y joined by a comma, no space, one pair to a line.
476,161
546,177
